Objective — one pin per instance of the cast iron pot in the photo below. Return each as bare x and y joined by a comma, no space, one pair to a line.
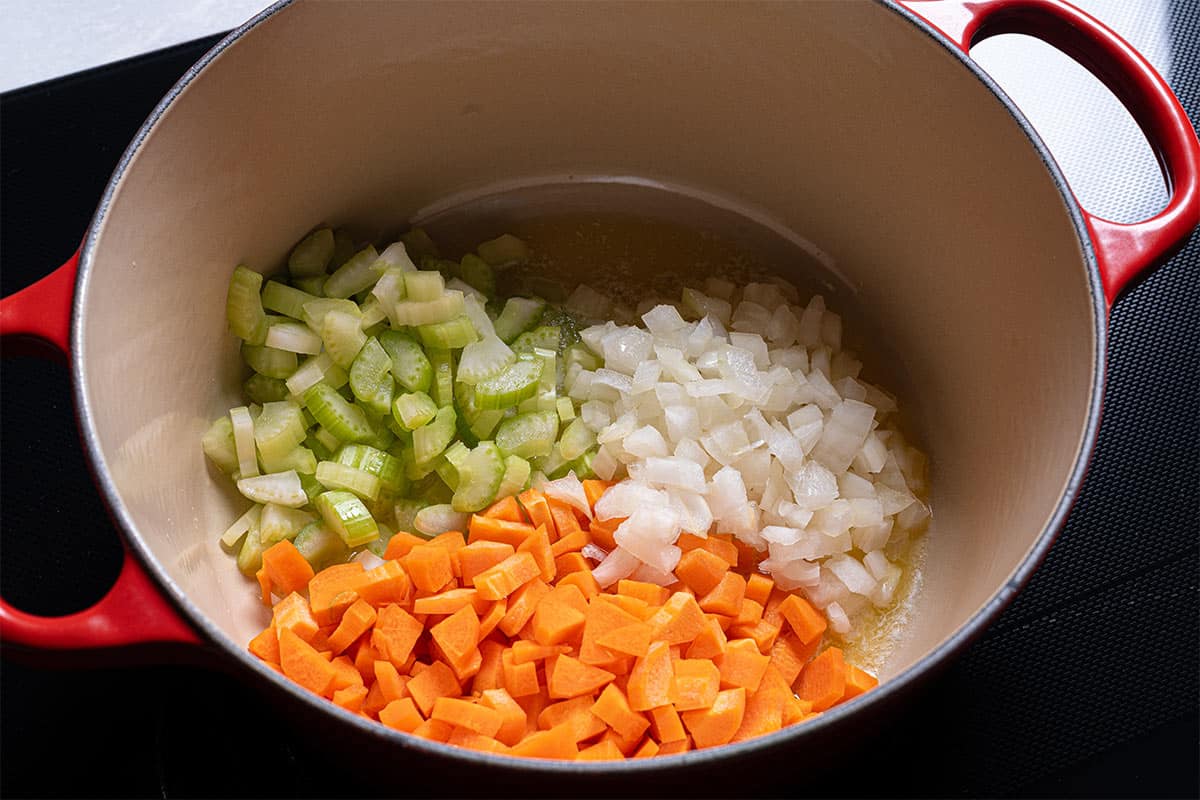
862,126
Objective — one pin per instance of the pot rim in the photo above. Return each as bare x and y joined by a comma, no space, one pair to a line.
967,633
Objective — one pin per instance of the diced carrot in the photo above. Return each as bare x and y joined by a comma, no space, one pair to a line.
806,621
647,592
512,716
727,596
498,530
521,605
666,725
593,489
571,562
680,619
771,609
293,613
603,750
571,543
724,621
401,714
565,521
374,702
556,622
576,713
701,570
430,684
857,682
507,509
823,680
636,606
435,730
716,545
506,577
304,665
357,620
351,698
555,743
602,617
525,651
451,540
537,545
717,724
789,655
632,640
535,505
395,633
266,645
797,710
334,589
674,748
286,568
602,532
400,543
461,737
764,707
626,746
696,684
648,749
491,618
742,665
344,673
320,639
474,717
613,708
758,588
391,683
583,580
450,601
490,674
763,632
532,705
650,681
746,553
749,613
519,679
569,677
264,585
365,656
457,636
709,643
479,556
428,566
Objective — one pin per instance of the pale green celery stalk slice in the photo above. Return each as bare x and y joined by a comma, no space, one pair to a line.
478,274
528,435
516,476
278,522
315,310
343,248
337,415
452,334
549,368
219,446
348,517
312,487
388,291
552,464
575,440
261,389
546,336
504,251
517,382
475,309
395,256
373,314
413,410
429,312
243,306
300,459
279,429
418,244
371,377
293,337
442,387
379,546
410,365
432,438
269,361
320,546
355,275
424,286
318,369
485,423
283,488
333,475
318,448
314,286
285,299
249,559
483,359
383,465
565,409
447,472
518,315
582,466
312,254
480,474
243,440
343,337
234,533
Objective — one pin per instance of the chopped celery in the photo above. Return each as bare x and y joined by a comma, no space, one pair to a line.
337,415
278,429
371,377
518,315
320,546
418,244
432,438
582,466
379,546
549,360
386,467
343,248
576,440
343,337
422,287
440,518
353,276
315,310
483,359
517,382
312,487
447,472
249,558
268,361
261,389
547,336
479,476
219,446
452,334
414,410
553,465
528,435
242,425
395,256
485,423
410,365
279,522
314,286
333,475
234,533
565,409
429,312
503,251
456,454
243,306
348,517
373,315
301,459
285,299
516,476
327,439
406,511
478,274
318,448
318,369
311,256
277,487
442,388
579,353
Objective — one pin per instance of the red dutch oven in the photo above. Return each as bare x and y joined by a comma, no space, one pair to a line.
863,127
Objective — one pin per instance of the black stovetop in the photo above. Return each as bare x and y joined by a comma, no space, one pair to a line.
1085,687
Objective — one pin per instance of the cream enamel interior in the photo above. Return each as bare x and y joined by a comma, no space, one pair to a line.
842,121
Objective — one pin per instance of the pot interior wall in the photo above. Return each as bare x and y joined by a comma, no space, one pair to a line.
841,122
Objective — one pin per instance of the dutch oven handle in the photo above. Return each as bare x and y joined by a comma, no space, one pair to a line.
1123,251
134,611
